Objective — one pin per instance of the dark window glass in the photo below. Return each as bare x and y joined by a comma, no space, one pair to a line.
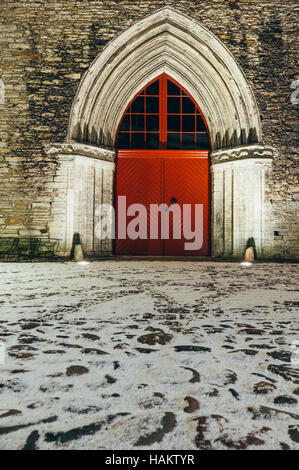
138,105
141,93
188,141
188,123
202,142
188,106
173,105
172,89
153,89
123,141
173,141
152,123
137,122
200,125
152,141
173,123
125,125
152,105
137,140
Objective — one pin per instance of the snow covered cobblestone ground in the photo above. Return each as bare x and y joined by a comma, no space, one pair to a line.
149,355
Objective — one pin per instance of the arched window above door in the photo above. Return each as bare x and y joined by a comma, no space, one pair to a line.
163,116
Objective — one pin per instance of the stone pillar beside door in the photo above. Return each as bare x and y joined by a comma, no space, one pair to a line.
240,212
83,181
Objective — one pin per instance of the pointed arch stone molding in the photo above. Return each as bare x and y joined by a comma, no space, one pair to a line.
166,41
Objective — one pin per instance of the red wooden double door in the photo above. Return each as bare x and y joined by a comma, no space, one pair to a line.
162,177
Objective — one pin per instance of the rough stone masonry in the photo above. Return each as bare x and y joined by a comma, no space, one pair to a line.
46,47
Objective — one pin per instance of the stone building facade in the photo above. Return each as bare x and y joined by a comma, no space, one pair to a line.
68,70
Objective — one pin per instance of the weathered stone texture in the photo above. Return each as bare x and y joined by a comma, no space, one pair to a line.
47,46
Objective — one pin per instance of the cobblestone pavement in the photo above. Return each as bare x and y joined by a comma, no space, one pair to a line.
149,355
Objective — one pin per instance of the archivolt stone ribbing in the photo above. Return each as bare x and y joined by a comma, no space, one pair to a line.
169,42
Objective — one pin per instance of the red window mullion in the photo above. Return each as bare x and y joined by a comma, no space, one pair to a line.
160,110
130,127
195,136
